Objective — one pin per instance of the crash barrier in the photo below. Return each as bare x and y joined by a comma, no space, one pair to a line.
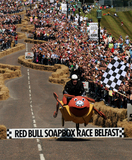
59,75
27,28
7,72
19,13
127,127
29,40
26,18
18,47
21,35
23,23
114,115
3,134
115,118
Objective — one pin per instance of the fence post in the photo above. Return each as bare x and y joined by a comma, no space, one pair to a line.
129,111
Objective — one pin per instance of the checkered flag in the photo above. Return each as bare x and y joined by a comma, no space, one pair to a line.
114,74
9,134
121,132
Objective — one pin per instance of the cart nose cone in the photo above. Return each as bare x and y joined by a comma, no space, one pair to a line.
79,103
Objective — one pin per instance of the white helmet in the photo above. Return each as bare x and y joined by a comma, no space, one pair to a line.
74,76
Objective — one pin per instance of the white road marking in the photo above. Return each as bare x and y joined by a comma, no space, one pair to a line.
26,47
39,148
33,117
42,157
34,125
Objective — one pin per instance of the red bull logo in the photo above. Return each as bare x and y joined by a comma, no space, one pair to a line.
28,55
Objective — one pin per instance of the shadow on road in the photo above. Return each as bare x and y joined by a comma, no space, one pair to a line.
127,139
76,139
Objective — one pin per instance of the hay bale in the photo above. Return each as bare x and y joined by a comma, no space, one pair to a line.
127,128
123,114
58,81
3,132
50,68
100,121
57,66
98,104
54,80
50,78
55,75
1,95
95,119
108,123
12,44
114,122
7,75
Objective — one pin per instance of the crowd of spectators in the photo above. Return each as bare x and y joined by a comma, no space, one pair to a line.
68,43
8,21
10,7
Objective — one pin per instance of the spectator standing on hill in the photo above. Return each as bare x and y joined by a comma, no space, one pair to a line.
127,40
130,50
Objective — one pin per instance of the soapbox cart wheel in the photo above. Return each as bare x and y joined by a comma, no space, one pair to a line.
77,126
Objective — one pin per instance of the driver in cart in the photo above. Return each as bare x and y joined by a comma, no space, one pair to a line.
73,87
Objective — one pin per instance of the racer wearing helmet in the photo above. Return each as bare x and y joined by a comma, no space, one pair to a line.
73,87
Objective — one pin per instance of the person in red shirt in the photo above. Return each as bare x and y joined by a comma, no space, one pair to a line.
16,38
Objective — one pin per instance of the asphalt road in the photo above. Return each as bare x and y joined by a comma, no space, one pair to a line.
31,98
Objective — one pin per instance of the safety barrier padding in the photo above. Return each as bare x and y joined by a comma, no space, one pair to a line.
115,118
30,64
114,115
26,18
127,127
29,40
21,35
60,76
60,72
19,13
7,72
27,28
3,132
23,23
18,47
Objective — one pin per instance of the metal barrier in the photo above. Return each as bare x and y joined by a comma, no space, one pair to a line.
129,111
123,9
